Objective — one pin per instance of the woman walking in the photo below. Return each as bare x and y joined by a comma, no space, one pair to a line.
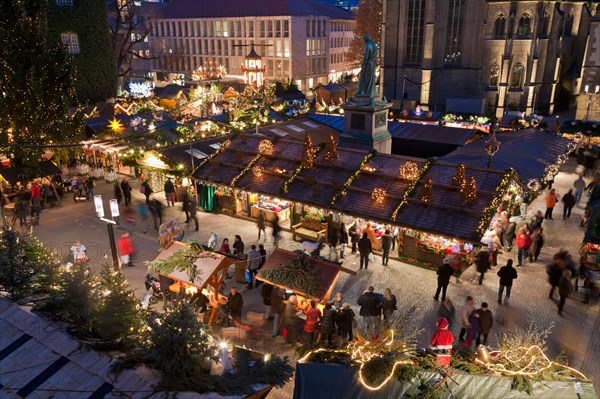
313,314
389,304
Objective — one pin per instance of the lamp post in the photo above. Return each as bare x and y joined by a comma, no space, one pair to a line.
114,211
491,147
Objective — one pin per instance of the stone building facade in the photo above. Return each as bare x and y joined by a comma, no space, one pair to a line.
510,55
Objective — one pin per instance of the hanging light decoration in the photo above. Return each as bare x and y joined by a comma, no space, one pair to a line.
534,185
491,147
257,170
115,125
571,147
578,137
409,170
265,147
562,159
552,170
378,195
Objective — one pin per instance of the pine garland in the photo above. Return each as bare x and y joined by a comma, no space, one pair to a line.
183,260
299,275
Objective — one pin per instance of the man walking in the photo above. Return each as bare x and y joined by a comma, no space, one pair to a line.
277,297
235,303
551,199
364,248
523,243
253,264
579,187
192,209
507,274
444,273
126,189
368,302
569,202
260,223
170,192
354,236
465,312
89,186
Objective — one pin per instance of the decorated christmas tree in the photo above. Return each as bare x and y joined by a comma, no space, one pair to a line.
426,192
330,149
469,193
308,155
459,175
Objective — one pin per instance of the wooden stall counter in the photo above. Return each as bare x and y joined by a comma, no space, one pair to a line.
283,214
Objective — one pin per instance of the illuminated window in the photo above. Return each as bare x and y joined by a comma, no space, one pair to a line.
516,77
71,42
415,31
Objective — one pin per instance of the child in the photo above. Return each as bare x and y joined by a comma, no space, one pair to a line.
442,339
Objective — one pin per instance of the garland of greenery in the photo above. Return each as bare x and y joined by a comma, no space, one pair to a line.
299,275
183,260
491,209
245,170
299,169
411,188
343,191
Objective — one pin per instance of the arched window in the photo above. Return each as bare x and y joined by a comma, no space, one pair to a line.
516,77
524,27
499,25
494,74
70,41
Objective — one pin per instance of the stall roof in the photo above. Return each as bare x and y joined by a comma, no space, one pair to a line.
18,173
323,185
511,122
529,152
589,128
201,149
431,133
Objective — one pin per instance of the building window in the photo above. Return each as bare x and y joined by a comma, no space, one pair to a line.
452,57
499,25
251,29
415,31
286,28
524,27
71,42
494,74
64,3
516,77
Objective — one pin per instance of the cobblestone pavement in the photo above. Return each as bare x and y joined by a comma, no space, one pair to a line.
575,334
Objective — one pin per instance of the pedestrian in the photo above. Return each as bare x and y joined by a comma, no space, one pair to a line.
564,289
389,304
345,320
118,193
225,247
235,303
367,302
365,248
523,243
386,246
184,205
252,264
474,329
126,249
328,323
276,230
147,190
354,236
509,235
313,315
265,293
89,187
483,264
260,223
277,306
536,221
537,242
370,233
486,321
79,253
579,185
444,273
238,245
170,192
334,238
465,312
155,208
142,211
126,188
569,202
343,239
551,199
192,208
290,319
507,274
263,256
395,232
554,271
338,301
76,188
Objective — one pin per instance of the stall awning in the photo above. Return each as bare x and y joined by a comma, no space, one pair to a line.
180,154
529,152
19,174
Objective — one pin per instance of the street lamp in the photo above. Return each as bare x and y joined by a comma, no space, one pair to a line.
114,211
491,147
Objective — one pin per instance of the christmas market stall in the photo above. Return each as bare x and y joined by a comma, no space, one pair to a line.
590,247
306,277
478,122
194,270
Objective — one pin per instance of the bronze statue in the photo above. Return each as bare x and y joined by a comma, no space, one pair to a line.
366,81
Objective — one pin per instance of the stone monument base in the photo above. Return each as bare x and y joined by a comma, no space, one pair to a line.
365,121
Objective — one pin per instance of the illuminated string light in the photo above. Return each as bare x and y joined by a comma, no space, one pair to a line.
378,195
265,147
409,170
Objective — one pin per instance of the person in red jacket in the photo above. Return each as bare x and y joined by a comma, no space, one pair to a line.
442,339
35,191
126,249
523,243
313,314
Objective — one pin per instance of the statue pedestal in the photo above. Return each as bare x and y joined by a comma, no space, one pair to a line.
366,121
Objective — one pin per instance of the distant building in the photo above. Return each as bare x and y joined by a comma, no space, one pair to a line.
303,39
511,55
588,101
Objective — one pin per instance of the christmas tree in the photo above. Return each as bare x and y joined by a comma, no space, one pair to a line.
308,155
330,149
469,194
27,266
117,317
36,82
426,192
459,176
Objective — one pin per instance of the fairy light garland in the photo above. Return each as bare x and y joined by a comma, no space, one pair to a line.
490,210
222,148
469,192
426,194
409,171
245,170
378,195
350,179
299,169
410,189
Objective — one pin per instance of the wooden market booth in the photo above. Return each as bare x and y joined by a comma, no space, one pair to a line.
211,269
327,274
